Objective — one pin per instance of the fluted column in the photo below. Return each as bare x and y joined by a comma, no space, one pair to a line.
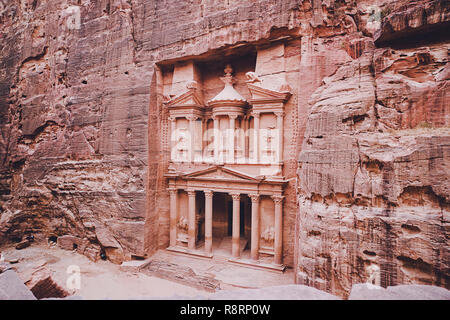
231,131
255,226
278,242
216,138
202,138
246,147
173,216
191,218
256,137
280,127
208,221
236,225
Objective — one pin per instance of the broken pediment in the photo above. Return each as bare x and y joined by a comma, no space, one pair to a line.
260,94
189,99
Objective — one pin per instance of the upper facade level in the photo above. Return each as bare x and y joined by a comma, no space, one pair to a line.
232,116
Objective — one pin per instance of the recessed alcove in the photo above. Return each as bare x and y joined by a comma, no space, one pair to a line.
225,122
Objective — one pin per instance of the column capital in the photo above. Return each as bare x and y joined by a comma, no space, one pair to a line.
172,190
191,193
208,194
233,116
279,113
277,199
254,197
191,118
172,118
235,196
256,114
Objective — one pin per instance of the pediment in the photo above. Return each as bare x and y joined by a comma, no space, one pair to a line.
220,173
190,98
262,94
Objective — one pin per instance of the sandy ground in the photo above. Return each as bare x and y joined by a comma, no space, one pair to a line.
231,276
100,280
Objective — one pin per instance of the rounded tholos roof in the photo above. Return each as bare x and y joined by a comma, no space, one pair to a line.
228,94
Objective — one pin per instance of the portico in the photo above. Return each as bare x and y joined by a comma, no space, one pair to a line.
204,185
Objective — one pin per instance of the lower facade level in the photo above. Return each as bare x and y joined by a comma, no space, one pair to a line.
223,212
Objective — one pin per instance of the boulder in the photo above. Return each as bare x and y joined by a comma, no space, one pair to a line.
112,247
365,291
23,244
287,292
68,242
12,288
42,285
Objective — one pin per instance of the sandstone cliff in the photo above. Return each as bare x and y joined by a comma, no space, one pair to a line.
373,169
81,127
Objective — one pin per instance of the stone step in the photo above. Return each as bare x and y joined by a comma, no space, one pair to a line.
225,247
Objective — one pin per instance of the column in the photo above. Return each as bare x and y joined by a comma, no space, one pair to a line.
256,137
208,221
236,225
280,116
255,226
191,218
242,131
278,243
173,216
246,147
192,137
172,128
203,139
216,138
231,129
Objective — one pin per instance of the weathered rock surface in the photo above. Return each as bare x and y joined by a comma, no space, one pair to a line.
363,291
12,288
289,292
412,19
181,274
42,285
373,177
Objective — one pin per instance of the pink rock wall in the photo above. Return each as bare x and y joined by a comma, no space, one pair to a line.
373,182
83,134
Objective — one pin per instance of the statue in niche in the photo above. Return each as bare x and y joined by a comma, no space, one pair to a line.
268,237
182,224
182,144
268,138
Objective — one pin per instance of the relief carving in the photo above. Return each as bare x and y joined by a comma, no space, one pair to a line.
182,224
268,235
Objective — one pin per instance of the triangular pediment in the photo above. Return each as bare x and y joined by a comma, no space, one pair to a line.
220,173
260,93
190,98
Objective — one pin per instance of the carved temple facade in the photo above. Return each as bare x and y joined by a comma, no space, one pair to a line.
225,174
